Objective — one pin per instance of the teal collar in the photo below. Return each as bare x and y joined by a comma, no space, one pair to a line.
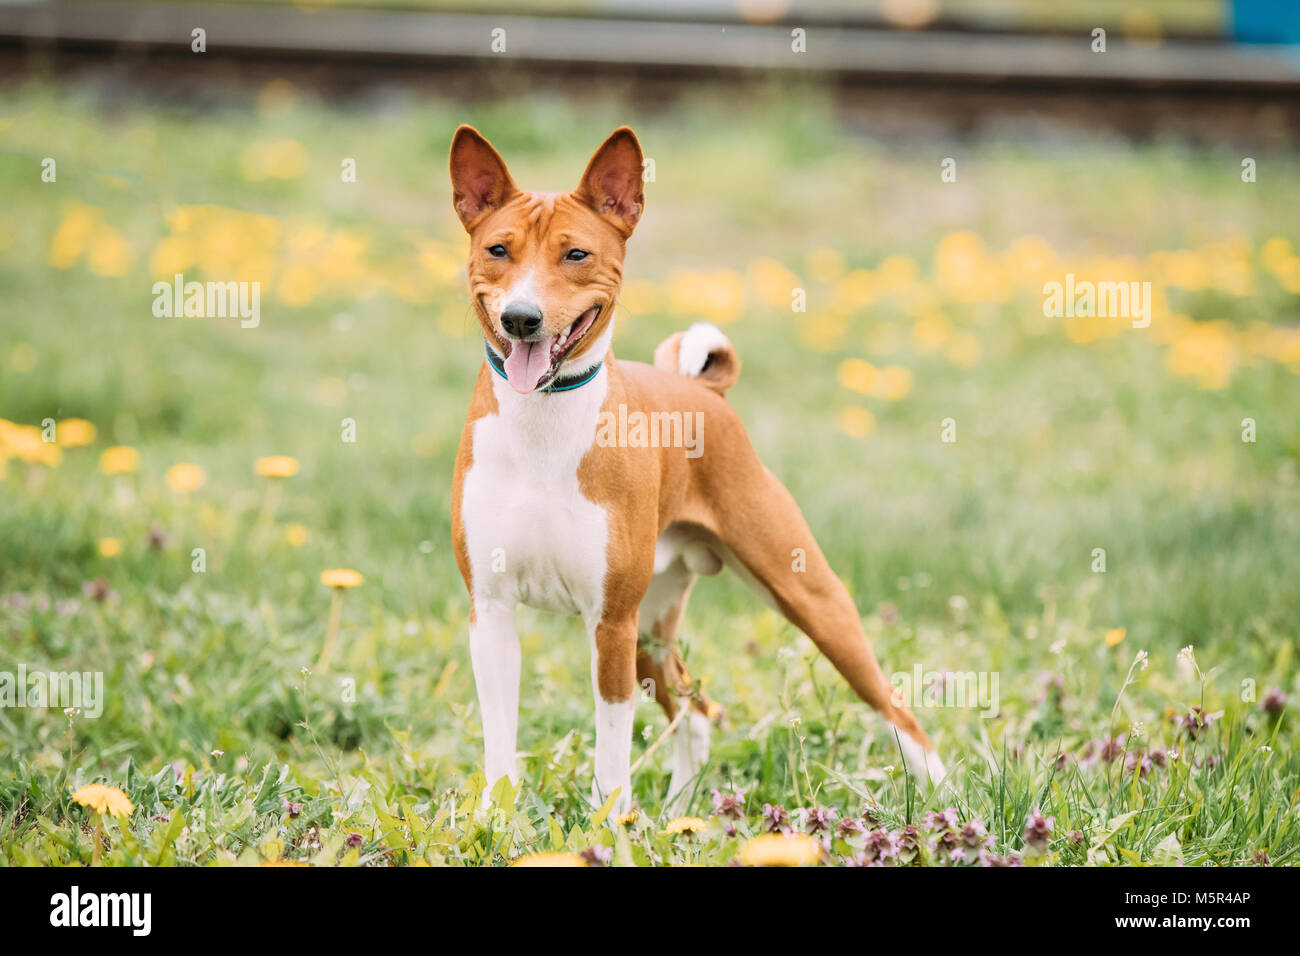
562,383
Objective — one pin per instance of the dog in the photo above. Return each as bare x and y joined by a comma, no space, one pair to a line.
557,506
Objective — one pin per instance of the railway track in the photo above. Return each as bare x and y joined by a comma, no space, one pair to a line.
848,54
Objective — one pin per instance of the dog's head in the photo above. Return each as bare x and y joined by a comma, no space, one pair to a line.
544,269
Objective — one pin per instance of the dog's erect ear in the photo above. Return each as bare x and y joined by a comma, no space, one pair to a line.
612,183
479,179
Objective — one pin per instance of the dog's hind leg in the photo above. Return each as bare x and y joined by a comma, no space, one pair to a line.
772,548
659,661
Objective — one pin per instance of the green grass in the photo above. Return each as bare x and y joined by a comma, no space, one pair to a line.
973,556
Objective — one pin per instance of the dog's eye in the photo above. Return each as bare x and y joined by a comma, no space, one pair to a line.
497,252
576,255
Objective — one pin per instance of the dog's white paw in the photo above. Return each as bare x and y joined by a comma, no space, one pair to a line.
923,764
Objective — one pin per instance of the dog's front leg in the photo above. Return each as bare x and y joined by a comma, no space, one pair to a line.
494,652
613,678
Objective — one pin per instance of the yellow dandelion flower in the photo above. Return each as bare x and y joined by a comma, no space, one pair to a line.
857,422
26,443
1029,259
549,859
110,547
1275,252
1083,329
440,260
298,286
718,294
825,265
893,384
104,799
626,819
75,432
341,578
822,332
1206,352
110,254
930,332
857,374
276,466
119,460
413,287
1115,636
963,350
774,282
1186,269
172,254
273,159
897,273
297,535
1233,276
857,290
775,849
69,241
185,477
639,297
1288,274
686,825
959,261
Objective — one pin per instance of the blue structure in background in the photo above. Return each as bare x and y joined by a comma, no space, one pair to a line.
1266,21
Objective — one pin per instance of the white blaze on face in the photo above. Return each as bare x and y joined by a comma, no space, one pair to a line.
523,294
528,362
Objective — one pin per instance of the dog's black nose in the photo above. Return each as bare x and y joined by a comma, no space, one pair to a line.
521,321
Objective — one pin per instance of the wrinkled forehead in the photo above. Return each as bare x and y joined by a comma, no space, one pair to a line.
537,219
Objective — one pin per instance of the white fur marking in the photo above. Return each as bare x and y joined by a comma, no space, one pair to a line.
613,743
671,578
522,496
494,653
690,751
523,292
700,339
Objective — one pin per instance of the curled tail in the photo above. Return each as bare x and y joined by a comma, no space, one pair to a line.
703,353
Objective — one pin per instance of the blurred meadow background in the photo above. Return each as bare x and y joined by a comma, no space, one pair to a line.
1111,744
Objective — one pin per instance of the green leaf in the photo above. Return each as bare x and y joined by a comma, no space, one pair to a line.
412,818
168,837
599,816
1168,852
1113,827
503,794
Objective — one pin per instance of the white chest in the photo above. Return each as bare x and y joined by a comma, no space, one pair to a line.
532,537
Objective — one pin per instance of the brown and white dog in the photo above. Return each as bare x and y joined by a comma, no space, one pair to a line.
555,508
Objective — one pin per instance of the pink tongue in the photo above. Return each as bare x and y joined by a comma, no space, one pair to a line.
527,363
